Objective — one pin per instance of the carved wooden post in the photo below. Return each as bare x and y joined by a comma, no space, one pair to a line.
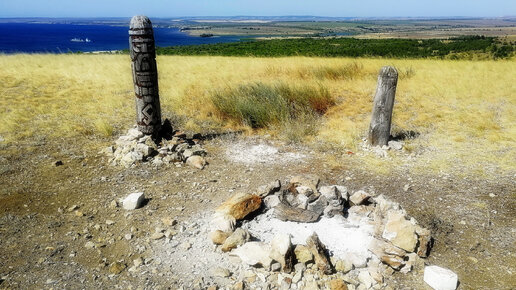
380,128
145,75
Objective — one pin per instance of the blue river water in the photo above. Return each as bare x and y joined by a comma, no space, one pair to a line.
57,38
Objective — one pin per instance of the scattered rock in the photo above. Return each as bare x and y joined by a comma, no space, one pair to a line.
185,246
221,272
413,261
196,161
310,181
330,192
301,201
269,189
303,254
271,201
395,262
73,207
218,237
113,204
222,222
168,221
240,205
138,262
319,251
275,267
388,254
237,238
133,201
157,236
318,206
338,284
117,268
365,278
335,207
400,232
424,241
374,270
440,278
396,145
282,252
343,191
238,286
300,267
286,212
254,253
343,266
89,245
359,197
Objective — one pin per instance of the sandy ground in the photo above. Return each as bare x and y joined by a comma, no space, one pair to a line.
49,214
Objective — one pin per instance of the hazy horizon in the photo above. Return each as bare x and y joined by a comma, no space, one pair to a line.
247,8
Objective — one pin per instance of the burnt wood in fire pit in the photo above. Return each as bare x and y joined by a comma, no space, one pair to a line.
286,212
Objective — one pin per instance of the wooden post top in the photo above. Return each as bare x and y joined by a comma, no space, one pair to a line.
140,25
389,71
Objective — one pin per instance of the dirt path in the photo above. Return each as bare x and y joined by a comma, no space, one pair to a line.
59,228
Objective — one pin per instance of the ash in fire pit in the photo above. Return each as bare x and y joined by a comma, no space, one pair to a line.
325,229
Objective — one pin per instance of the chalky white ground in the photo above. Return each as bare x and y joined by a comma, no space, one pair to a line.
246,153
343,237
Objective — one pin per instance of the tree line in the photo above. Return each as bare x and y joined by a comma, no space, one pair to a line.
352,47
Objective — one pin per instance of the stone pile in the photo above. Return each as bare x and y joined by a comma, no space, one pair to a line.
381,151
135,147
397,242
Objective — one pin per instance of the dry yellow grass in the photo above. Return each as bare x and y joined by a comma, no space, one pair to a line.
465,111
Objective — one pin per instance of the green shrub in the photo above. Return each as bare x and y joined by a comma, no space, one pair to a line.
260,105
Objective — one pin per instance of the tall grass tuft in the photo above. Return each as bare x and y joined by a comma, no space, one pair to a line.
260,105
347,72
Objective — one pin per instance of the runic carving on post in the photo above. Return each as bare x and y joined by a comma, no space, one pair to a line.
380,128
145,75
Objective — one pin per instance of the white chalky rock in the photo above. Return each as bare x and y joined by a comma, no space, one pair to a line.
330,192
271,201
395,145
304,190
254,253
343,191
281,252
134,133
400,232
302,201
440,278
133,200
222,222
359,197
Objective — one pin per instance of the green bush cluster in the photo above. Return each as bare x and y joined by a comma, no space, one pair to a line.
349,47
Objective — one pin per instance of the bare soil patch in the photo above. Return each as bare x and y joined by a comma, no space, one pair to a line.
49,214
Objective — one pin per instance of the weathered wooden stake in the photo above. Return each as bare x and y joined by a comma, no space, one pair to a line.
380,128
145,75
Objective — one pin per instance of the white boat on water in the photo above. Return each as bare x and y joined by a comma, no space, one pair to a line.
76,39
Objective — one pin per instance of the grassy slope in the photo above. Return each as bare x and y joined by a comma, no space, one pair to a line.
464,110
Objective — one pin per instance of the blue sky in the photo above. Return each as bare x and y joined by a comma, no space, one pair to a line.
178,8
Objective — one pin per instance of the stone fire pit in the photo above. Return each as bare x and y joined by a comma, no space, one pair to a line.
309,233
